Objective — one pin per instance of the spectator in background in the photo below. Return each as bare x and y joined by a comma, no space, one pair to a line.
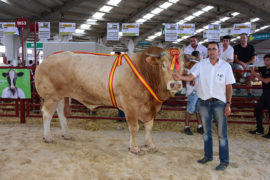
194,46
244,56
193,102
226,50
9,62
264,101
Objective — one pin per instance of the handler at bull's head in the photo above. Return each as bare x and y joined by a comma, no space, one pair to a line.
215,92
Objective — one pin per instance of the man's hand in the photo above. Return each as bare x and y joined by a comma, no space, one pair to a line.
177,77
244,65
227,110
229,60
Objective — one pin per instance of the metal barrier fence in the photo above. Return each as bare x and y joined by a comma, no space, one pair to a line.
30,108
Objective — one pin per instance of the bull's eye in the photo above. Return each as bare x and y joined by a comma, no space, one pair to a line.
163,65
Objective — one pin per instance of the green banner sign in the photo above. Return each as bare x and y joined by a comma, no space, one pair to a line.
31,45
15,88
163,29
144,43
259,36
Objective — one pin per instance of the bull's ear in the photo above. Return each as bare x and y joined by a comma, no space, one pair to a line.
152,60
188,64
188,56
5,74
19,74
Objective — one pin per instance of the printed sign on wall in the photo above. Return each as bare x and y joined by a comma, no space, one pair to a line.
130,29
15,88
241,28
44,31
213,33
186,29
171,31
66,28
113,31
9,28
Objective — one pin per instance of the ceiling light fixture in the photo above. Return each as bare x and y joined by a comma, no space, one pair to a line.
254,19
235,14
198,13
207,8
114,2
157,11
148,16
85,26
98,15
189,18
105,8
165,5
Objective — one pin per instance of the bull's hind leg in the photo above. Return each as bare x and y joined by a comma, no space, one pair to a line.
48,109
148,134
63,119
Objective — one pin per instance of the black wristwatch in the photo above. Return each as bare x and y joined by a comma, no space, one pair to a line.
228,103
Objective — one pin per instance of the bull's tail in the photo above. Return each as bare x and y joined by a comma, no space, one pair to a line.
67,109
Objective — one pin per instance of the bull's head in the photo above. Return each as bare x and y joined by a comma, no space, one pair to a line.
170,61
12,77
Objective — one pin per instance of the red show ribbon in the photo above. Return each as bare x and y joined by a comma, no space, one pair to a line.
175,53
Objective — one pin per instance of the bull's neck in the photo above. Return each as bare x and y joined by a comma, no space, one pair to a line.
152,75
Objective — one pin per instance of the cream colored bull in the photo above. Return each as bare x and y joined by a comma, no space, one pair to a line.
85,77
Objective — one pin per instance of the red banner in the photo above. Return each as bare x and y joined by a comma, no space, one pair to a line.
22,23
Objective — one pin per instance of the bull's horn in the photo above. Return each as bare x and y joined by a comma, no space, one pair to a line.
155,55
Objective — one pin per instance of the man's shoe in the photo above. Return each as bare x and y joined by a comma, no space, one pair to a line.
188,131
222,166
204,160
267,136
256,132
200,130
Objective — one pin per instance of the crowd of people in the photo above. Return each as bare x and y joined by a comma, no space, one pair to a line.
209,90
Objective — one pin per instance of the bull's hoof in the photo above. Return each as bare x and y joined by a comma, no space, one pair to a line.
66,137
47,140
134,150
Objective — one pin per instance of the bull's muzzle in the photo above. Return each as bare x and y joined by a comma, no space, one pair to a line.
174,86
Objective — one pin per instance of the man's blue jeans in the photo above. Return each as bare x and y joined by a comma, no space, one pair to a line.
209,109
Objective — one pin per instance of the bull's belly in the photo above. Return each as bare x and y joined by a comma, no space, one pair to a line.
92,99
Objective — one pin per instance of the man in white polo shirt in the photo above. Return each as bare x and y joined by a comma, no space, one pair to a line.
226,50
215,92
194,46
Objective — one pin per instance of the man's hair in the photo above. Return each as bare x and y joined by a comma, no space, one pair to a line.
244,34
195,53
193,37
266,56
226,37
213,42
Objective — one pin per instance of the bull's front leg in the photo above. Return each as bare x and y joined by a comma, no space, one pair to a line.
133,127
148,135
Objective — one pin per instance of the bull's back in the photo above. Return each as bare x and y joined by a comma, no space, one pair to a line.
82,77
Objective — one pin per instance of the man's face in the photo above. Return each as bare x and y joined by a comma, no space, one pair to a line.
267,61
193,42
243,39
213,51
226,42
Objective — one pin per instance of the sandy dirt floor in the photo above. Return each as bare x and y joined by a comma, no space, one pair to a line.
99,151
